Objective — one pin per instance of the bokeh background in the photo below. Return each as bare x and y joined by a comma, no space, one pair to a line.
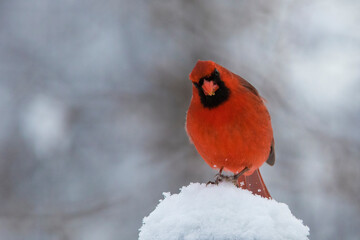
93,97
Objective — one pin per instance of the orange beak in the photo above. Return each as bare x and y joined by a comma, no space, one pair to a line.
209,87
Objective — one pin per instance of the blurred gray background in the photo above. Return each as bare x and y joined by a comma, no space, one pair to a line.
93,97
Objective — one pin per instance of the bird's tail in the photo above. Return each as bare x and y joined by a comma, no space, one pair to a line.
254,183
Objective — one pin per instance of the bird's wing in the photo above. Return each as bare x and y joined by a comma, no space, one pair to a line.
252,89
248,86
271,158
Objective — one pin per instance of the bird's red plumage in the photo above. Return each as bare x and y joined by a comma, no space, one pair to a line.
237,133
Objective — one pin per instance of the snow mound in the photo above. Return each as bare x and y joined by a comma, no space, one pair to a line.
220,212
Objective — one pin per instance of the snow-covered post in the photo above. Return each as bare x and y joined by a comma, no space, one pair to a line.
220,212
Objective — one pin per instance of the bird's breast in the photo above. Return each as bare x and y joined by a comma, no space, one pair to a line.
232,135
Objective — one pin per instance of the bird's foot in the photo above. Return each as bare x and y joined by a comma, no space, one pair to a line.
219,177
216,182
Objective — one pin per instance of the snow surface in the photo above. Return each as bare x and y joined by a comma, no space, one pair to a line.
220,212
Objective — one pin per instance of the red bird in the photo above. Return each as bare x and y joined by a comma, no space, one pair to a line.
229,125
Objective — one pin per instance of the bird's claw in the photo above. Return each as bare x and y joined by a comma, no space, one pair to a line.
234,179
217,180
223,178
218,177
235,182
210,182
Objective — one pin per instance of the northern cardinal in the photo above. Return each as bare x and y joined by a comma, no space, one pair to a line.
229,125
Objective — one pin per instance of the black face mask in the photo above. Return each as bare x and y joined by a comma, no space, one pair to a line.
221,94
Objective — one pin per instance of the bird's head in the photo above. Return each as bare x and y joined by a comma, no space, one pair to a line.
211,83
